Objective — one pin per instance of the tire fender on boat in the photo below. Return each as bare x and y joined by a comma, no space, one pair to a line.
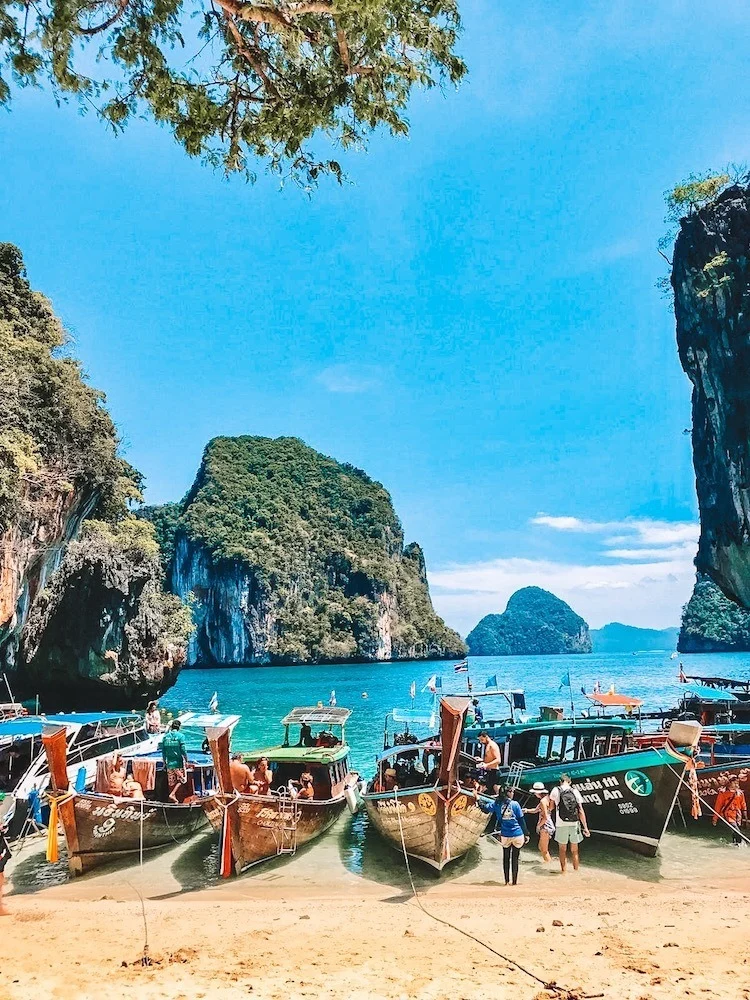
352,796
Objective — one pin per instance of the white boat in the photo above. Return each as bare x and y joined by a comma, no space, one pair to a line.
90,736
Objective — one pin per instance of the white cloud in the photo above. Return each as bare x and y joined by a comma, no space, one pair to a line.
644,581
350,378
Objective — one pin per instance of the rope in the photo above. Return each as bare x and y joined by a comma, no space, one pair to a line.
551,986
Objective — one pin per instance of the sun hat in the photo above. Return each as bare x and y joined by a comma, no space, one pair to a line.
538,786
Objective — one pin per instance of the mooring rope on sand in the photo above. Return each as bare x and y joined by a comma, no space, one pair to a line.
551,987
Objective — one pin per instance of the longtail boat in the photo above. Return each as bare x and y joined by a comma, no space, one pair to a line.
99,827
257,827
435,821
628,791
90,736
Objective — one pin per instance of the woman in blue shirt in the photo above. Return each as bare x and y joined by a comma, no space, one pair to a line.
513,832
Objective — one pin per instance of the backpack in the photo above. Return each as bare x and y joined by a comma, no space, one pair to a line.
567,809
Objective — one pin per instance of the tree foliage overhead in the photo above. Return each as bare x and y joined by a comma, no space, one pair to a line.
233,79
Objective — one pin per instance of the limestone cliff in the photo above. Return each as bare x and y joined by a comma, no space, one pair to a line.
711,623
58,466
534,622
291,557
711,283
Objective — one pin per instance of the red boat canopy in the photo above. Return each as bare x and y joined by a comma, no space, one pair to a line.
610,700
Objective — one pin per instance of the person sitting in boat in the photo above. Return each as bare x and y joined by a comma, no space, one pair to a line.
131,789
261,777
306,738
325,739
390,779
116,776
242,776
153,718
306,791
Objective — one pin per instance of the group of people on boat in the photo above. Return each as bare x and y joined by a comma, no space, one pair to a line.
258,778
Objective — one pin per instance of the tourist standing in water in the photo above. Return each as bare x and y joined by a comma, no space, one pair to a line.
570,820
513,832
545,826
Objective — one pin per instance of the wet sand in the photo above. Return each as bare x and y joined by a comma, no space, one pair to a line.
340,921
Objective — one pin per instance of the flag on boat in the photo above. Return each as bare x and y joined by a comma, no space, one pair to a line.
434,684
565,680
462,667
213,705
332,700
413,690
491,681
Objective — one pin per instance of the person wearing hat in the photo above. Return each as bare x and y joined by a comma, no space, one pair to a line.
545,826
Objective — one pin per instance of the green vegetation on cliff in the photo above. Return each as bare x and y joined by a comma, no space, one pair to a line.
321,547
534,621
711,623
73,600
56,438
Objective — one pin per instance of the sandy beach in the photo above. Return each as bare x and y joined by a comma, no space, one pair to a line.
306,929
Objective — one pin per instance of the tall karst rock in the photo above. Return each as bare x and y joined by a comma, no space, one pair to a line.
84,622
711,282
289,556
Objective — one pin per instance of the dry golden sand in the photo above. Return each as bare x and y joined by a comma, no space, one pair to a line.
270,940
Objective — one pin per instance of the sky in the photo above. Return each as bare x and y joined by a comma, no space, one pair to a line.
472,318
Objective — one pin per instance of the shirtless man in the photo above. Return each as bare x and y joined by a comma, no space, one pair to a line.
490,761
262,776
241,774
117,776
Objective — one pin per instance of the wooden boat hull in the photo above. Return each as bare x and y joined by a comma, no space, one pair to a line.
265,826
436,829
711,780
628,797
99,829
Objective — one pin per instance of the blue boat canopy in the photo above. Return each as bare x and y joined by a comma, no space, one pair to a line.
728,727
32,725
708,693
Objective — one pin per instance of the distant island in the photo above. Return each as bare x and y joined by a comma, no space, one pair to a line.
619,638
534,622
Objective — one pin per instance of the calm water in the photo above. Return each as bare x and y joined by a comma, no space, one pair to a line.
263,695
351,851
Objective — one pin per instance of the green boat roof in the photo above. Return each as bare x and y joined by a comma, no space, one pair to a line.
302,755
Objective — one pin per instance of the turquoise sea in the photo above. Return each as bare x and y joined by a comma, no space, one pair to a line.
263,695
352,851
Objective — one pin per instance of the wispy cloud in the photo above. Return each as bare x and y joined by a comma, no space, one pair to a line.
350,378
640,573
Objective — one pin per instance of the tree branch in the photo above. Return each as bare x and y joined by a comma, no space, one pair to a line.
121,8
248,54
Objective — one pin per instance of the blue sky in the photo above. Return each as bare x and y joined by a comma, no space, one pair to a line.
472,319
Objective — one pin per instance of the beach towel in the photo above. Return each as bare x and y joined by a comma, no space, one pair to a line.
104,768
144,772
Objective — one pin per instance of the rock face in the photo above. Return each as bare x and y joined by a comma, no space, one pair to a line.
711,282
711,623
618,638
64,622
534,621
291,557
